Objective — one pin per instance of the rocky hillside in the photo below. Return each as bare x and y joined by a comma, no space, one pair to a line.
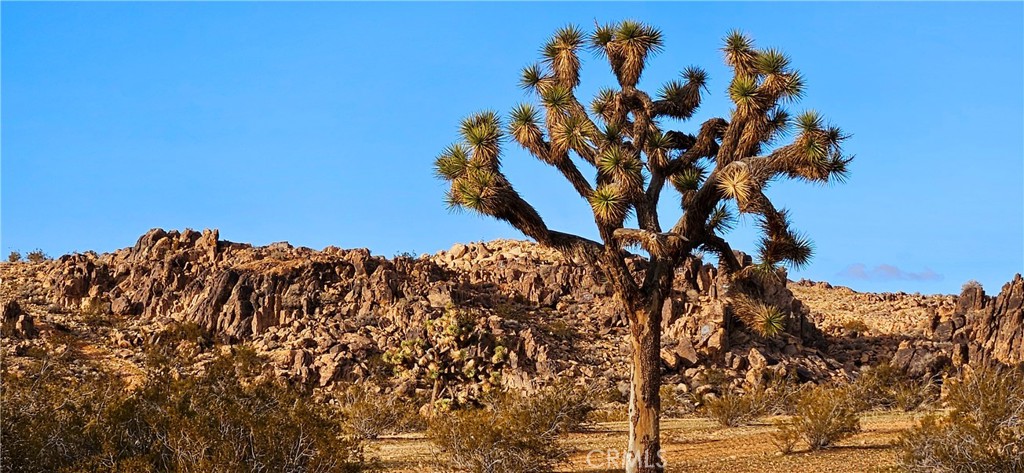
921,334
483,315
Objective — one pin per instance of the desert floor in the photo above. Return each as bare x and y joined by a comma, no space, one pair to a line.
694,445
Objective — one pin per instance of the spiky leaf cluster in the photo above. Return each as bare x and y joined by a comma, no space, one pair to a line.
722,220
765,319
626,45
781,244
560,55
610,204
622,168
472,166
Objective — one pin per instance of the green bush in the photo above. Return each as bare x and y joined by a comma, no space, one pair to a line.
765,319
14,257
823,417
227,419
510,433
983,432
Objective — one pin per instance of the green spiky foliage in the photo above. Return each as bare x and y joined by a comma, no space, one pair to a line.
618,154
764,319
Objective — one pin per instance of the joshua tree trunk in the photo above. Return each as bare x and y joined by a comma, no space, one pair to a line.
643,453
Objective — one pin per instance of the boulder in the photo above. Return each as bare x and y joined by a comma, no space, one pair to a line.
16,322
921,360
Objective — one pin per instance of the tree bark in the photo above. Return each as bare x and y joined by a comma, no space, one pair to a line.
643,453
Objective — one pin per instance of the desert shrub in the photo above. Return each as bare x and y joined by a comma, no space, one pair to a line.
886,387
912,394
38,433
37,256
972,284
510,311
226,419
568,408
510,433
246,421
873,388
613,405
174,341
785,438
614,412
675,404
732,410
560,330
611,394
824,416
778,395
715,377
96,312
983,432
369,414
14,257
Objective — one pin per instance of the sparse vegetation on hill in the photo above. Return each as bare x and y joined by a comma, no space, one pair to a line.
36,256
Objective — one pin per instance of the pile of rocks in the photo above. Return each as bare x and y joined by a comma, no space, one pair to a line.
922,335
980,330
480,316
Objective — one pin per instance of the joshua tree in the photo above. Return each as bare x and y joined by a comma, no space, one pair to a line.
721,169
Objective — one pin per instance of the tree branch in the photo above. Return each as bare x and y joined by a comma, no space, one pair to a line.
657,244
534,142
725,253
704,146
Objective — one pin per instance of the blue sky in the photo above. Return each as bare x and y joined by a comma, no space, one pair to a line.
317,123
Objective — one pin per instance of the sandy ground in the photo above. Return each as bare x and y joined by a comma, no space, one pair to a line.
694,445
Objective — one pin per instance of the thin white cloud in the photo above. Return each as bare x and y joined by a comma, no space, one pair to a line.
887,272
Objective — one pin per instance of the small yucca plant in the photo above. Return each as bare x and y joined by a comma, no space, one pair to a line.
766,319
